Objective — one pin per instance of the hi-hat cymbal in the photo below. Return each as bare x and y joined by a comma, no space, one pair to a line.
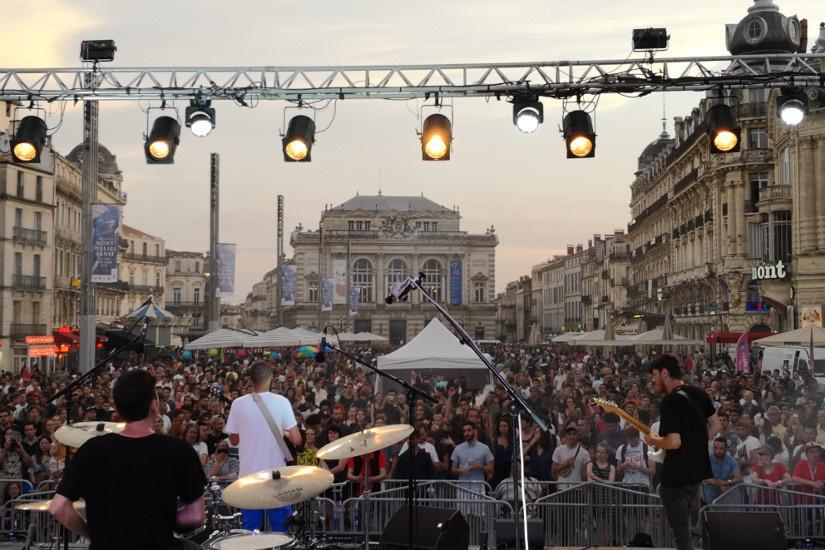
79,433
43,505
365,441
275,488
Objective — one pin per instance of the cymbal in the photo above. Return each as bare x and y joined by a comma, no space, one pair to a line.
365,441
279,487
79,433
43,505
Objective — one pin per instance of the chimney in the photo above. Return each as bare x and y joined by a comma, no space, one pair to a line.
579,247
589,244
803,36
569,249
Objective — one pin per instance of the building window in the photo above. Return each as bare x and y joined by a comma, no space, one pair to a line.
145,250
157,250
18,311
36,266
35,312
18,263
756,31
38,221
433,279
131,277
362,278
38,190
757,138
785,167
426,226
18,217
366,225
196,296
312,293
434,226
396,273
351,225
756,182
21,188
157,280
782,237
132,246
479,333
177,266
359,226
197,267
757,101
754,241
479,293
176,296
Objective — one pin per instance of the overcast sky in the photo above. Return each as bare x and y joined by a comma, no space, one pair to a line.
538,200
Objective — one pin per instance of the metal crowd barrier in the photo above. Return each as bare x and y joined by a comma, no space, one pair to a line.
803,512
15,524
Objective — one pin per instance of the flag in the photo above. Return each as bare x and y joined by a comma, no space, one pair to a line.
743,355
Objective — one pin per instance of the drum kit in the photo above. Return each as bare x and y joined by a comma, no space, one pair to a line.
267,489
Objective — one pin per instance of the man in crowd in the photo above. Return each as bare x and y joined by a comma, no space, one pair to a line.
725,472
569,459
633,465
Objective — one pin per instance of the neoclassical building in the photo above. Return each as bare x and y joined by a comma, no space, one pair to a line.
374,242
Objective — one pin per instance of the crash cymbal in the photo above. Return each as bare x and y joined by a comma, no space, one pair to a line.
365,441
43,505
279,487
79,433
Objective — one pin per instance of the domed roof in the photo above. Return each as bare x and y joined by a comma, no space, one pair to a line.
106,161
764,30
654,148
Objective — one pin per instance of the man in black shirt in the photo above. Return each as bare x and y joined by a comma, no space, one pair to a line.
132,481
688,420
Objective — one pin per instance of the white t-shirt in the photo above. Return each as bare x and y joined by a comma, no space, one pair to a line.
744,450
428,447
633,455
201,448
564,453
257,447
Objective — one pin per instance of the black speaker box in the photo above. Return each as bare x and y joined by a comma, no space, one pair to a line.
434,529
744,531
505,537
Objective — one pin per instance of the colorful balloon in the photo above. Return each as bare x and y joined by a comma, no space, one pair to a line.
213,353
187,355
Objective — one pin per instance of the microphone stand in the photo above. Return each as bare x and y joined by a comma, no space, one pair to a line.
515,413
412,392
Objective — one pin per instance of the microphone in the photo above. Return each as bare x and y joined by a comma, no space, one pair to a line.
321,356
399,292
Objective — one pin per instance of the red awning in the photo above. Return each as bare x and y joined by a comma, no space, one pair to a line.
62,337
733,337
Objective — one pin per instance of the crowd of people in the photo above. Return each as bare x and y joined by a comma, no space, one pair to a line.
773,424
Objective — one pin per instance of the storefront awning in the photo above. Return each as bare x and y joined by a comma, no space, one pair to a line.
733,337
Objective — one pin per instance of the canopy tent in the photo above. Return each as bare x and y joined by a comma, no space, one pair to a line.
283,337
435,351
369,337
221,338
799,337
566,338
151,311
657,337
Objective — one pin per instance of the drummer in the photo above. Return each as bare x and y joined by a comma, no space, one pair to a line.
249,431
132,480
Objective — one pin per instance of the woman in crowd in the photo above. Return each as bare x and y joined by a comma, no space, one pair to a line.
221,466
191,434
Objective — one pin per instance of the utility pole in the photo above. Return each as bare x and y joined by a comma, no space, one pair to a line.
279,251
214,196
89,195
321,272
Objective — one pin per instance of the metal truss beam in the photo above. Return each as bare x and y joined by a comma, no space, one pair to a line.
546,78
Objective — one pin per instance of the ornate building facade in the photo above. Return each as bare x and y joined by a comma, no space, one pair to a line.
185,292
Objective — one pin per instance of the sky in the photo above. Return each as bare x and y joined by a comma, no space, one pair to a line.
522,184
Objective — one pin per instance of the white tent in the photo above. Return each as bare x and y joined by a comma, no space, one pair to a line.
283,337
805,337
567,337
221,338
656,337
435,351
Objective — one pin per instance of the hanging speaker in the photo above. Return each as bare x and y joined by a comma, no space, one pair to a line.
433,529
744,531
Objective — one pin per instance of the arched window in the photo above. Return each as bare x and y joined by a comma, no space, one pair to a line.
396,273
433,279
362,278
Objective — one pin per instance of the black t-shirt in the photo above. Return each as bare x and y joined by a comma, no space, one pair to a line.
422,464
690,463
131,487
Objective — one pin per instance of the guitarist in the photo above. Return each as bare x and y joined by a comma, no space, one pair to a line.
688,421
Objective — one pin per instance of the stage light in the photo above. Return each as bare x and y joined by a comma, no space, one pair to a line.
297,143
792,106
162,142
97,50
722,129
436,137
29,140
578,135
200,118
650,39
527,114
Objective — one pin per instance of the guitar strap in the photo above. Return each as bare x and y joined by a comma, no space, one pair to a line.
694,407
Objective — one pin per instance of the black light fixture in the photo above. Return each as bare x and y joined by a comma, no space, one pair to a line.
436,137
298,140
725,135
528,113
792,106
162,141
200,117
29,139
579,137
650,39
97,50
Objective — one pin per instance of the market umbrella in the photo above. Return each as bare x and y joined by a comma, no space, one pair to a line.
609,329
667,330
808,336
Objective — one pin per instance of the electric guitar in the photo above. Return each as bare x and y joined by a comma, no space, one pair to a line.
609,406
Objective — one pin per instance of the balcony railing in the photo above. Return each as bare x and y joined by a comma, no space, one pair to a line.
30,236
144,258
29,282
775,192
21,330
148,289
199,303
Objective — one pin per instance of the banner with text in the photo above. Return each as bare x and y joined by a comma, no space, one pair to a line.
354,301
327,293
455,282
105,240
339,275
226,269
743,353
289,276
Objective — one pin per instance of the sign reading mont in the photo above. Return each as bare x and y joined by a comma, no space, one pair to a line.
769,271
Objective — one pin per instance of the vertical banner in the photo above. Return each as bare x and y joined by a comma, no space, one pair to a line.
743,353
339,275
327,293
354,301
105,239
289,275
455,282
226,269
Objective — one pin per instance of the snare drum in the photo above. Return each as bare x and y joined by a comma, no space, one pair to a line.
258,541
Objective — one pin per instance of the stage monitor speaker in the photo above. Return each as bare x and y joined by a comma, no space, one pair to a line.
744,531
434,529
505,537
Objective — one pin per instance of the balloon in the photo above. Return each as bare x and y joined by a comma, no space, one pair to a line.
187,355
213,353
274,355
241,354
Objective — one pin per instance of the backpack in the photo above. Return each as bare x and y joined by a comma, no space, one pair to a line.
623,454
